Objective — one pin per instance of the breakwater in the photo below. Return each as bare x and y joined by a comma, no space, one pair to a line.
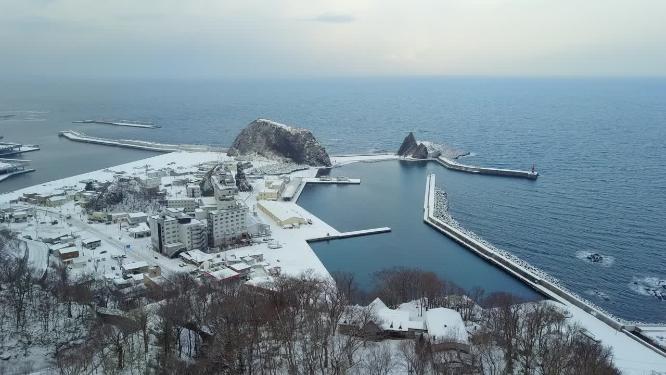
118,123
454,165
435,215
135,144
16,173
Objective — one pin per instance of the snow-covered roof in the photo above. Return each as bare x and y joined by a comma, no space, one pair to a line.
241,266
136,215
393,320
446,324
196,256
68,250
282,211
140,228
223,273
135,265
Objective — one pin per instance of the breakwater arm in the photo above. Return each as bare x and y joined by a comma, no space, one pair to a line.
135,144
454,165
533,277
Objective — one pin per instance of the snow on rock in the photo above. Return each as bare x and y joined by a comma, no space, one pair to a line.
278,141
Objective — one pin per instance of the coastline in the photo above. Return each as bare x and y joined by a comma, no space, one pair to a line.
296,256
531,276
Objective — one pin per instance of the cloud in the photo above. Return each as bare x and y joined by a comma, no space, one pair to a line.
334,18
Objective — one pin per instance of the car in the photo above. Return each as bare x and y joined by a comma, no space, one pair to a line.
103,252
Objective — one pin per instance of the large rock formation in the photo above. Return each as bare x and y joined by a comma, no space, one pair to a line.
411,148
277,141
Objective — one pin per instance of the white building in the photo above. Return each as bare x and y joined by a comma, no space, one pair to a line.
282,213
135,218
227,225
170,235
273,188
193,233
187,204
224,186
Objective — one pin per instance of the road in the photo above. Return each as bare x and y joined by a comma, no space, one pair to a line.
166,268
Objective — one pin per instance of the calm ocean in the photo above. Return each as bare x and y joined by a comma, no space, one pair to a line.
599,144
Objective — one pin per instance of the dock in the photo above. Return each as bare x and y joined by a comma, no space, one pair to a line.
321,180
454,165
9,149
16,173
136,144
534,278
356,233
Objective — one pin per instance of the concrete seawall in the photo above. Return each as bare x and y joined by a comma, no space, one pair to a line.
12,174
533,280
453,165
135,144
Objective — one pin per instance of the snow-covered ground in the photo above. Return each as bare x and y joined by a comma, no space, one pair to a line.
293,257
630,356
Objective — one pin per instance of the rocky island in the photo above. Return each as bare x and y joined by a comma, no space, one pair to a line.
411,148
278,141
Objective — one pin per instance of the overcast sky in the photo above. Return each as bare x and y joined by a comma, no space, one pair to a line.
312,38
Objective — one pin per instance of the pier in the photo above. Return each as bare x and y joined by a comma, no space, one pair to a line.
454,165
135,144
356,233
9,149
526,273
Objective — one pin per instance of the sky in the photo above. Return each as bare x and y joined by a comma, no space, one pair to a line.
315,38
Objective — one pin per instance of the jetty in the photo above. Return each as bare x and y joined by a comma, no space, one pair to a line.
454,165
119,123
9,148
136,144
13,167
523,271
356,233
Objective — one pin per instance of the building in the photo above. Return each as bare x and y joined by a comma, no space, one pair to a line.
56,201
193,191
196,257
224,275
140,231
193,233
224,186
173,232
227,225
444,328
117,217
91,243
242,268
187,204
134,218
282,213
68,253
134,267
273,188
